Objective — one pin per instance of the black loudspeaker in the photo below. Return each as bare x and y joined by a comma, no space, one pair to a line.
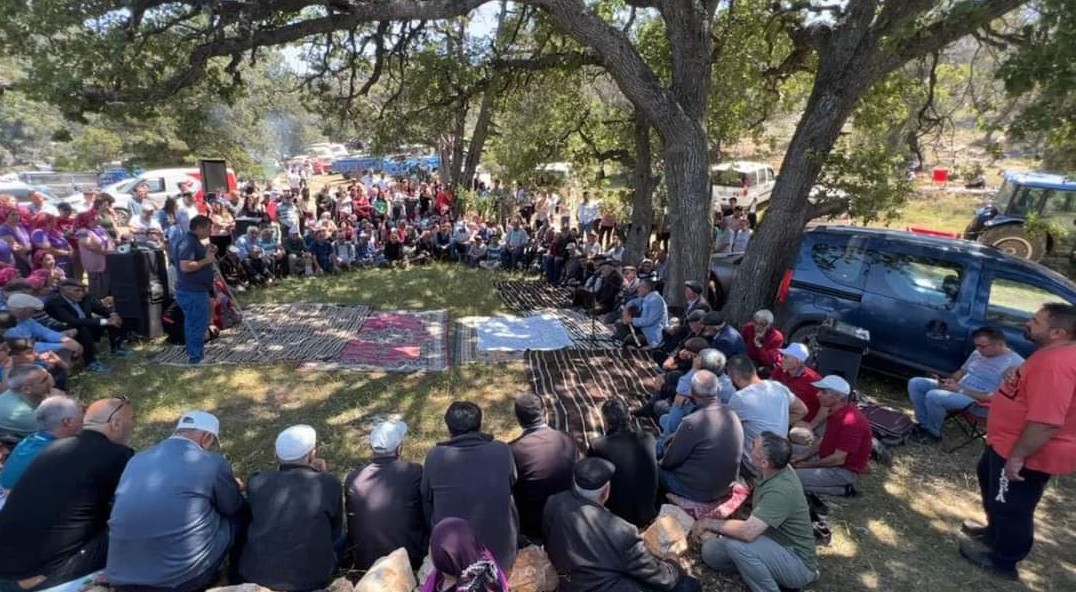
214,176
139,284
840,350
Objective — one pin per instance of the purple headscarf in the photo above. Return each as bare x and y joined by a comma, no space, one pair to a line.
455,551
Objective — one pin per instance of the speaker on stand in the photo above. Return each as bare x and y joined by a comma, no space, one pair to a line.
139,283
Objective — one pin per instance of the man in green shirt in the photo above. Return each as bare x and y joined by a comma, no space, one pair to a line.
774,548
28,385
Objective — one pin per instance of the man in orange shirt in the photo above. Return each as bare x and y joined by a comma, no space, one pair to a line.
1031,435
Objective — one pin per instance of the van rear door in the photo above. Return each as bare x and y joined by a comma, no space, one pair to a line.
828,282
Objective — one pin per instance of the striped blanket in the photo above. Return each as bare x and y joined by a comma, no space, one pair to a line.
573,385
269,333
586,333
524,295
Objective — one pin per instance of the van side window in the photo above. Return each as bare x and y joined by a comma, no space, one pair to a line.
919,279
842,263
1012,303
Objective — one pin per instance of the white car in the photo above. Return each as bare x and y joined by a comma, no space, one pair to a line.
21,191
748,182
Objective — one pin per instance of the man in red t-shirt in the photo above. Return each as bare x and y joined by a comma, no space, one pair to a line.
763,341
1030,435
832,465
794,373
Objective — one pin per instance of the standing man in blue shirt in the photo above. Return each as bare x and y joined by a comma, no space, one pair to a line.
194,285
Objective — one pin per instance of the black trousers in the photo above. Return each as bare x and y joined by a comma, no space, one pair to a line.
1010,523
88,337
88,559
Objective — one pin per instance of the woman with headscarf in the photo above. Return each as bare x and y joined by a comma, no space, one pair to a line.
460,563
48,238
94,245
15,234
47,275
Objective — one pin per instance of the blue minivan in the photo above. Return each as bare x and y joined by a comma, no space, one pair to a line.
920,297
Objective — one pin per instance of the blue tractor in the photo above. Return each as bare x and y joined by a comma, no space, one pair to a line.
1002,223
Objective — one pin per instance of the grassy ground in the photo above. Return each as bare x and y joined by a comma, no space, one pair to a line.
900,535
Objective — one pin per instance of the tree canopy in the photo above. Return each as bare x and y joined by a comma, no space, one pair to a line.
700,74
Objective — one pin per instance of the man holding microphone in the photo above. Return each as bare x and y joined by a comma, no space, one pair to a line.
194,285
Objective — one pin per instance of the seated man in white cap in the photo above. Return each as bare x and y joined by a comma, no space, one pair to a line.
798,377
384,501
23,307
175,513
297,520
832,465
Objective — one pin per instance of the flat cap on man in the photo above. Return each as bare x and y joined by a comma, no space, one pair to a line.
592,473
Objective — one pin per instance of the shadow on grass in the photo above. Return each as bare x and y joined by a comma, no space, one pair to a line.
900,535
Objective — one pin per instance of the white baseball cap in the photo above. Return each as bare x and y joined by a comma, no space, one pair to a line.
834,383
388,435
24,301
797,350
296,442
199,420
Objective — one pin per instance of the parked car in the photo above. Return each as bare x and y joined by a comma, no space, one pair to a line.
21,191
163,183
748,182
1001,223
920,297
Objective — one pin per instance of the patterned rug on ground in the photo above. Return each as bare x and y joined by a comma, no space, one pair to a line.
586,333
269,333
395,341
524,295
573,385
465,345
583,333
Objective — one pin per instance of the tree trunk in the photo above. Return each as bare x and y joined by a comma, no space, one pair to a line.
687,169
642,202
455,166
775,244
481,131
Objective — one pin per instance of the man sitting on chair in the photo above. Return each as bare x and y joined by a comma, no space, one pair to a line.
934,397
644,316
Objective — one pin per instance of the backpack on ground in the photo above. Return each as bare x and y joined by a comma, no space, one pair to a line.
890,426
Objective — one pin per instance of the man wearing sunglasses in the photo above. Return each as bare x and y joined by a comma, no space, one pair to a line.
54,527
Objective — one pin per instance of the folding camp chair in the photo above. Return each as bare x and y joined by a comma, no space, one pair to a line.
972,421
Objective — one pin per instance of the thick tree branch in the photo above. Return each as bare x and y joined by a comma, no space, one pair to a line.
962,19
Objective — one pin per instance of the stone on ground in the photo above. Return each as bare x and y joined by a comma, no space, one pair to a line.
240,588
668,535
391,573
533,572
424,570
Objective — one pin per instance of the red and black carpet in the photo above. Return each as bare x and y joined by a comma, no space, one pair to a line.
573,384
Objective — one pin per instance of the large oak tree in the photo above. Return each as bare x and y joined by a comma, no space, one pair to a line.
97,55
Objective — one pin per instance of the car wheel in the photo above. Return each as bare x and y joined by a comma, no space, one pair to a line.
1013,240
807,333
804,333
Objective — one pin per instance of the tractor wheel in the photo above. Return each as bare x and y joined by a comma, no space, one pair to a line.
1013,240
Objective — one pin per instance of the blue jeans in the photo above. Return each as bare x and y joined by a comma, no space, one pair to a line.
932,404
195,307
